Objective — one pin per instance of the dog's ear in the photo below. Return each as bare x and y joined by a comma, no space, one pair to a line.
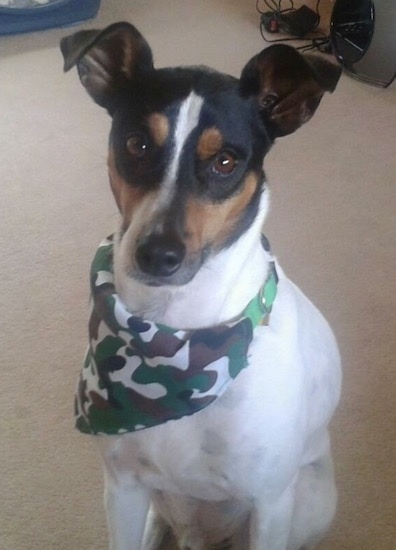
108,61
288,86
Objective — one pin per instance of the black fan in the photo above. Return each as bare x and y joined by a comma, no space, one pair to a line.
363,35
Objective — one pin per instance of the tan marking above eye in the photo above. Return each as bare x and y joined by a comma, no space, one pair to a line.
159,128
209,144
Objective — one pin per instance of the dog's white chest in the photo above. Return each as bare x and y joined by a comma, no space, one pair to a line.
217,454
257,429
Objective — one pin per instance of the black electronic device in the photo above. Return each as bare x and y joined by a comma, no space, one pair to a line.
294,22
363,37
299,22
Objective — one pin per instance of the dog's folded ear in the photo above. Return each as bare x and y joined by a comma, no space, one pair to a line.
287,85
108,61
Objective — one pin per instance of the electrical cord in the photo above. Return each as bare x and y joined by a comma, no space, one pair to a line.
274,6
321,42
323,45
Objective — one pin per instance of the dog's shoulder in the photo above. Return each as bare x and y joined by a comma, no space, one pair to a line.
299,340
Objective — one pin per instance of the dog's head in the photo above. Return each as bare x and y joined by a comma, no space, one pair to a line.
187,144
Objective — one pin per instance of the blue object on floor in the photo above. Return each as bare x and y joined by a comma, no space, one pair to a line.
38,17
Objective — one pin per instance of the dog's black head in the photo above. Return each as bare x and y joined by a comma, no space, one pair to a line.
187,144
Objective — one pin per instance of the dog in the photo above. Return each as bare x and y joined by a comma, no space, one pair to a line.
210,379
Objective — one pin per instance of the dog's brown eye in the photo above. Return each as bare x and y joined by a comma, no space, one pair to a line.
224,163
137,145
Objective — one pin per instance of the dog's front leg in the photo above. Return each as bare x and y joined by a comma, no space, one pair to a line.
270,525
126,503
155,531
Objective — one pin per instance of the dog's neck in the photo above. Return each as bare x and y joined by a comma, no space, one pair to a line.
219,291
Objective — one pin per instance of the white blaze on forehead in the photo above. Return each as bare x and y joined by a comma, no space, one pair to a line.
186,121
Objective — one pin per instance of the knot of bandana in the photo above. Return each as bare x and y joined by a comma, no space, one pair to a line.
137,374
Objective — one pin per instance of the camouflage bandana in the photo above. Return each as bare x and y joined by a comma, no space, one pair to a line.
138,374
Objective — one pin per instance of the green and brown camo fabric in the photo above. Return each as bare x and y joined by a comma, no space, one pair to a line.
137,374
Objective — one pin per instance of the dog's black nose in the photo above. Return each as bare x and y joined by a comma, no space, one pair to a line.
160,255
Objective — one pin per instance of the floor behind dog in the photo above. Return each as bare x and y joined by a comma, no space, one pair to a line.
47,494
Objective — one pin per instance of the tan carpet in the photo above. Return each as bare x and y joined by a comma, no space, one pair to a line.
333,226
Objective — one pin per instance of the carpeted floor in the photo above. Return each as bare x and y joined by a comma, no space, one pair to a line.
332,225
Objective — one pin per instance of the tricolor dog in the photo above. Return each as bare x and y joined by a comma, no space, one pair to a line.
210,379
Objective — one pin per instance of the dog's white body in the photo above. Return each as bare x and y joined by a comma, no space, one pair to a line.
260,454
253,469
